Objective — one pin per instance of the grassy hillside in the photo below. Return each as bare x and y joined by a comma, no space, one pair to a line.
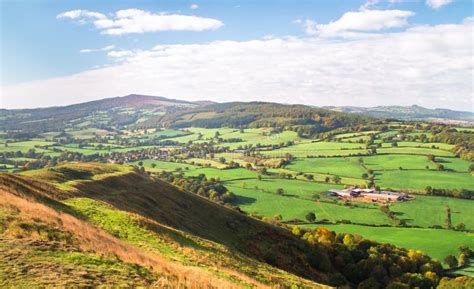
84,211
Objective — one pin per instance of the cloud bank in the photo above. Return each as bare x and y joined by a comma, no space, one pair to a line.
129,21
425,65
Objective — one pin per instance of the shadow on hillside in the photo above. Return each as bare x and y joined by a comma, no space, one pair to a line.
241,200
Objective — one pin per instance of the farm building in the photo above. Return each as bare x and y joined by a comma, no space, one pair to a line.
372,195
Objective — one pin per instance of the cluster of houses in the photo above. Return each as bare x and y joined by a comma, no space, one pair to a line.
370,195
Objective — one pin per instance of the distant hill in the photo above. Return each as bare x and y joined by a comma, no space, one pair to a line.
413,112
151,111
109,111
262,114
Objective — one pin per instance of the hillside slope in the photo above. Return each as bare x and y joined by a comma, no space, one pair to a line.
127,217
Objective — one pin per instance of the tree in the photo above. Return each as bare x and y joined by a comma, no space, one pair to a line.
259,177
394,144
471,168
462,260
428,189
327,179
309,177
310,217
440,167
451,261
460,227
370,283
140,163
447,221
280,191
336,179
431,157
296,231
465,250
365,176
153,165
217,134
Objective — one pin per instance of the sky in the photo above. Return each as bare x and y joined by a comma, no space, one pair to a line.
320,52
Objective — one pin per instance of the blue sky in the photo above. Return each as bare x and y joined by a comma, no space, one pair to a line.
43,48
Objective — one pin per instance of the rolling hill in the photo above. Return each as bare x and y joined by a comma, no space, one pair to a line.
108,111
413,112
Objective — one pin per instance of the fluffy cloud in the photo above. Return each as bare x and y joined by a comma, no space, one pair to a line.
89,50
353,23
436,4
139,21
194,6
424,65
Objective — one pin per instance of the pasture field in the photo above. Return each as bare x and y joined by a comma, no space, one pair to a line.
442,146
394,162
454,164
418,180
212,163
296,188
260,136
321,178
434,242
414,151
24,146
347,167
355,134
356,139
427,211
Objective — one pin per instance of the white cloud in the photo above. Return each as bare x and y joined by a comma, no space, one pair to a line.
354,23
436,4
140,21
120,53
75,14
194,6
424,65
89,50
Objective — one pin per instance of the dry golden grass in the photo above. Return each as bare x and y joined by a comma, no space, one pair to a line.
102,243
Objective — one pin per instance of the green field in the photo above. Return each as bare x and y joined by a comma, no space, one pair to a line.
417,180
427,211
414,151
271,204
394,162
348,167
